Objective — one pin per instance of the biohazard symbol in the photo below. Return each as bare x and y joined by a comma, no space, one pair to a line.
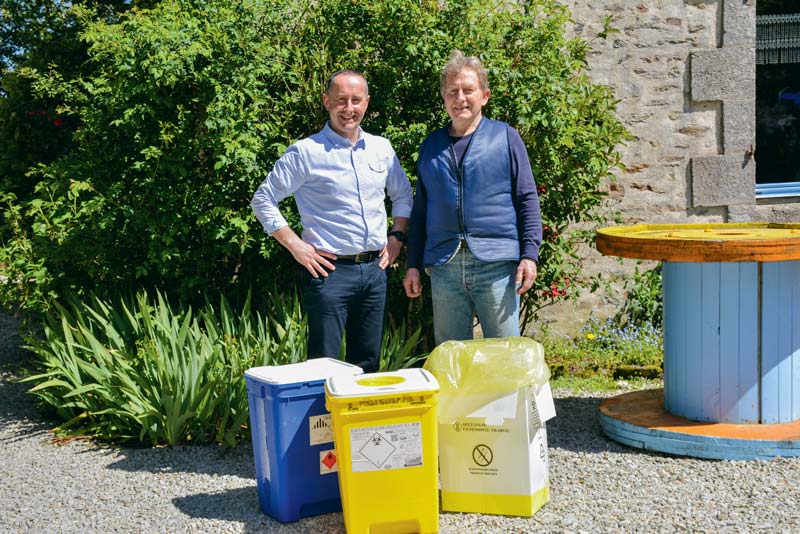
482,455
329,460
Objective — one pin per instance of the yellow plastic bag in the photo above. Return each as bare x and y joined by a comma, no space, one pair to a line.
470,372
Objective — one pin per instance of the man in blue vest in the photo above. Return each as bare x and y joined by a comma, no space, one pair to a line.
339,178
475,224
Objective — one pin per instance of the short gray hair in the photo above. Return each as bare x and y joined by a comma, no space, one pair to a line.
348,72
458,62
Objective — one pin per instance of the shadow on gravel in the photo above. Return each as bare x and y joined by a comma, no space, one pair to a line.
230,505
576,428
19,417
241,505
202,459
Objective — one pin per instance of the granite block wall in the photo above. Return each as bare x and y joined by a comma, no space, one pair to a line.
684,71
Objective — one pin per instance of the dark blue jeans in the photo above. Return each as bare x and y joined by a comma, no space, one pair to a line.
351,299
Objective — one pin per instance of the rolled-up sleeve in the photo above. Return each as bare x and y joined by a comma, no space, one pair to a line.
286,177
398,188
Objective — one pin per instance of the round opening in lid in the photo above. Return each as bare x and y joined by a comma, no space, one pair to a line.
378,381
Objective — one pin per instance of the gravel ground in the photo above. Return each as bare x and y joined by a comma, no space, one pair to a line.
597,485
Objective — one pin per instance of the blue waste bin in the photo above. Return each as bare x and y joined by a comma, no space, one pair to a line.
296,464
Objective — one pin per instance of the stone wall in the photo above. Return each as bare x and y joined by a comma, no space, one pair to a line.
684,71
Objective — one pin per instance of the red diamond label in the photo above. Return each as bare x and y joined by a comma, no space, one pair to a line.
327,462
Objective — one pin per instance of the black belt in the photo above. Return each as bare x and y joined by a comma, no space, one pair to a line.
361,257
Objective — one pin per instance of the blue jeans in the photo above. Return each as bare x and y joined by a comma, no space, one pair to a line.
466,286
351,299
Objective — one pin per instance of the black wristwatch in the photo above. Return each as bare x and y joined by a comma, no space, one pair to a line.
400,236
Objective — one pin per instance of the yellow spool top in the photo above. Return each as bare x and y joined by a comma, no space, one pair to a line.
727,242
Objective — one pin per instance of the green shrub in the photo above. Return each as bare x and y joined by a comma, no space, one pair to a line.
180,111
643,303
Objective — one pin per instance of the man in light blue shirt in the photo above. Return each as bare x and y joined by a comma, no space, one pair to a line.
339,178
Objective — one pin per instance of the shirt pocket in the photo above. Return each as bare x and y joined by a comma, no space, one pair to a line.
378,166
377,176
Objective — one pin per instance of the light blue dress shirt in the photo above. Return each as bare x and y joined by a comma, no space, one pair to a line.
339,188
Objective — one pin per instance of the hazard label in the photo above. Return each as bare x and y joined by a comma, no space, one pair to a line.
320,429
328,463
386,447
377,449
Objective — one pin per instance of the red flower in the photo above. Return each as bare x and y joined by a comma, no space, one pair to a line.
58,122
541,189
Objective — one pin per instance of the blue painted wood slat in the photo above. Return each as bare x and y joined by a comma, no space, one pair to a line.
670,284
795,292
780,342
784,356
746,388
709,372
729,346
770,378
675,287
682,338
693,362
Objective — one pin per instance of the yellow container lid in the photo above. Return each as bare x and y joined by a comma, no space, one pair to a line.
401,381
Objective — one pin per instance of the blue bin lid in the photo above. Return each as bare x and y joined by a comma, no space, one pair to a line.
318,369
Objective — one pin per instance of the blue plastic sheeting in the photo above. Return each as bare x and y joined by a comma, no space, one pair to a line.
775,190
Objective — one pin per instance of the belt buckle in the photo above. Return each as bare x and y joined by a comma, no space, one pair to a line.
361,257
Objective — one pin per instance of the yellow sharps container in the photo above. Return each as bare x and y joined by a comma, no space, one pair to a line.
385,432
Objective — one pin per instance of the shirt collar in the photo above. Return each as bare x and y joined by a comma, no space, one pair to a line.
341,140
478,127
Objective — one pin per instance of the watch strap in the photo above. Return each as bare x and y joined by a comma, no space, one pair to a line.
399,235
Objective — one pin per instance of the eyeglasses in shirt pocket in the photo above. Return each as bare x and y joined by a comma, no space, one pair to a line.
378,166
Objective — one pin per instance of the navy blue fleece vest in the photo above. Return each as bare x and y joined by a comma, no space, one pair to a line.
476,204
